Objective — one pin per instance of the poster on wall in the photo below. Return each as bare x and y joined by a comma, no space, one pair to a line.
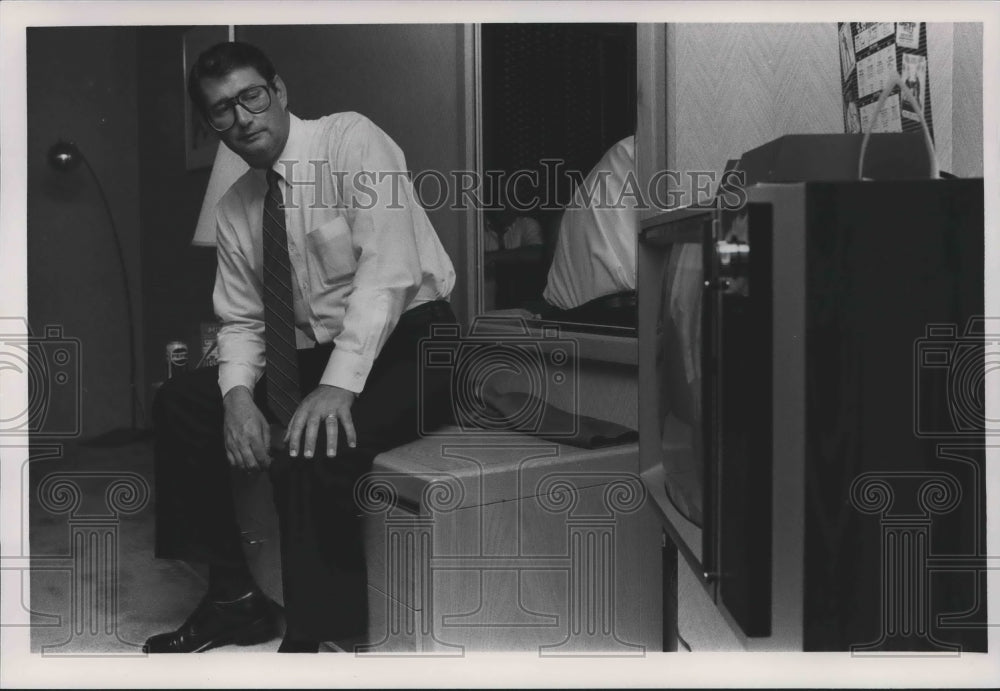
200,142
869,53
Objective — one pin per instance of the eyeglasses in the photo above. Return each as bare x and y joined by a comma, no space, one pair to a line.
254,99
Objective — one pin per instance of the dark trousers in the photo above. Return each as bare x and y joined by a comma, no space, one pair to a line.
322,555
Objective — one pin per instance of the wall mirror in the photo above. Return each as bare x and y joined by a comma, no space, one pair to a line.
558,119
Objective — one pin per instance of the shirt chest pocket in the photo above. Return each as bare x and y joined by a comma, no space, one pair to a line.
331,250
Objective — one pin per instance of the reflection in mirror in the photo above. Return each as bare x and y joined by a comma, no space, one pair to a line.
678,370
558,124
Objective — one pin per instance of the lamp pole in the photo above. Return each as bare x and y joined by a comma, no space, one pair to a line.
65,156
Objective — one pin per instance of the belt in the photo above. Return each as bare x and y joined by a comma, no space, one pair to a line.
428,311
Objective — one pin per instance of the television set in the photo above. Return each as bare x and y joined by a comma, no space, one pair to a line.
802,358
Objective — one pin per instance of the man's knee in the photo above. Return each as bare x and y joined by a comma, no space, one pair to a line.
338,478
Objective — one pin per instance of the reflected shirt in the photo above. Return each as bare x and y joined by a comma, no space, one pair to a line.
595,250
361,247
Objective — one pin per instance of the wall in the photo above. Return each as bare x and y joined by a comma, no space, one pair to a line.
967,101
733,87
407,79
955,68
177,278
82,86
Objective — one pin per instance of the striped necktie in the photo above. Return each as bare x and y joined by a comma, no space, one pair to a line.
281,369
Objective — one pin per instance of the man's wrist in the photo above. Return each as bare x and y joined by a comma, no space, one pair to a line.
236,393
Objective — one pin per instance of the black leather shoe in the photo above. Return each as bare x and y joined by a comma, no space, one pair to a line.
246,621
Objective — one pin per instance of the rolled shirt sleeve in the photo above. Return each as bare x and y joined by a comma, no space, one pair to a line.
383,214
238,305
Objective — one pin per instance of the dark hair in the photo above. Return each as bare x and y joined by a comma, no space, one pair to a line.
220,60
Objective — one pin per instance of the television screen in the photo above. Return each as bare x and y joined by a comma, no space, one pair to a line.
678,371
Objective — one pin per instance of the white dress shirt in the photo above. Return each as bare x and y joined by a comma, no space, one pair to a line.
362,252
595,251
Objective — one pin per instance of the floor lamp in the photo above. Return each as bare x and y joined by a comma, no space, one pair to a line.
65,157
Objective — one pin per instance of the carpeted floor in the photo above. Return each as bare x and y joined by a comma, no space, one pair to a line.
95,586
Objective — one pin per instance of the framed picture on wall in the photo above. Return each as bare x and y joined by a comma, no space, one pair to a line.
200,142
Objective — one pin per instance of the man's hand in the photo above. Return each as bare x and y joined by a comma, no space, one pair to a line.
327,405
246,432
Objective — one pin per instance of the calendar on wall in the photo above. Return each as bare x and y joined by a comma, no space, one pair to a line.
869,53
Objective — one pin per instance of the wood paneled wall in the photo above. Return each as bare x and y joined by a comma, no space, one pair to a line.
733,87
